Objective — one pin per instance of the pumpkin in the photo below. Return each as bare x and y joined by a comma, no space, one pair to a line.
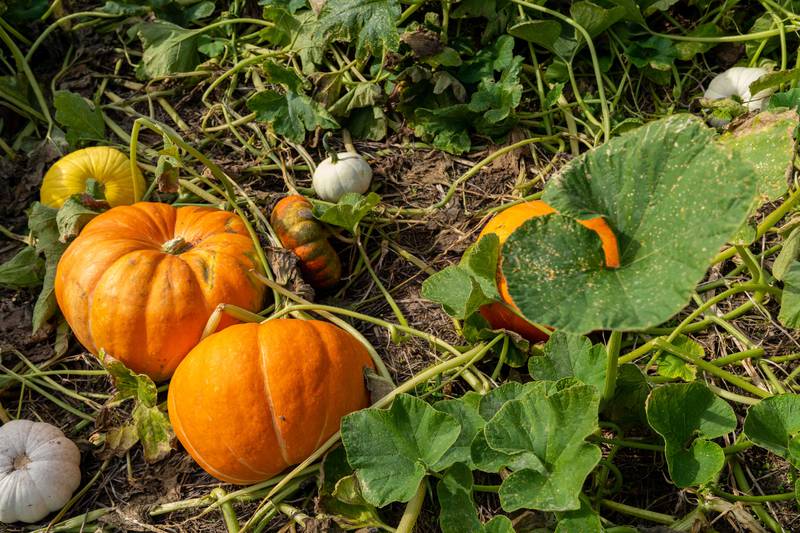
249,401
298,230
736,82
506,315
141,281
345,172
99,167
39,470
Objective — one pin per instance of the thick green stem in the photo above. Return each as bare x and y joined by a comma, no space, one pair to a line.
644,514
409,518
228,513
612,362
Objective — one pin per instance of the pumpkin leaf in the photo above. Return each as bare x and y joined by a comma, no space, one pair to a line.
340,496
465,411
545,430
789,314
154,430
687,415
458,513
391,450
167,49
128,383
672,366
461,289
348,211
24,270
774,424
627,406
370,24
44,228
152,426
766,143
82,122
774,79
637,181
583,519
290,114
77,211
568,356
788,254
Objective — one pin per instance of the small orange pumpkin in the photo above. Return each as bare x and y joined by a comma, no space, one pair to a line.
507,315
251,400
141,281
298,230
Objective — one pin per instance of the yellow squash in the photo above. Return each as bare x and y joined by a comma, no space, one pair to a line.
109,168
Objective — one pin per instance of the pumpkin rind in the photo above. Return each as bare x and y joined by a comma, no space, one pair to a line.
506,315
249,401
350,173
120,292
298,230
105,165
39,470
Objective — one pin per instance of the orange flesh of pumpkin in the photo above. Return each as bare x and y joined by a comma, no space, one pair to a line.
506,315
254,399
120,292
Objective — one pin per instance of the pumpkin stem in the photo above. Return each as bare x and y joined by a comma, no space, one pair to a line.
176,246
95,189
328,149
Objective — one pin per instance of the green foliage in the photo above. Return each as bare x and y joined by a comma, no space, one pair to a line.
391,450
465,411
672,366
774,424
167,49
544,431
340,494
570,356
687,416
348,212
555,267
458,513
461,289
152,426
83,123
290,114
26,269
789,314
44,228
371,24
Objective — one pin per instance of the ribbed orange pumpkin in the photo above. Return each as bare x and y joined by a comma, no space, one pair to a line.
506,315
301,233
251,400
141,281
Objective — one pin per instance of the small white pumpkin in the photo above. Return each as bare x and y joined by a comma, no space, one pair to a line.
39,470
736,82
347,173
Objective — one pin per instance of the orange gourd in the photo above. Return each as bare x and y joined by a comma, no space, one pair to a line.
298,230
506,315
141,281
251,400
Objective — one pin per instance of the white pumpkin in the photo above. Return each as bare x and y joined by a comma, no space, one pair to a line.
39,470
350,173
736,82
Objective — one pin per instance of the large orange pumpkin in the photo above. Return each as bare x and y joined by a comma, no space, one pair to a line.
506,315
298,230
141,281
251,400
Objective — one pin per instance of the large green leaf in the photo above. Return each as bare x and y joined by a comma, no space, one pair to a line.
167,49
789,314
290,114
370,24
545,430
26,269
83,123
391,450
766,143
461,289
567,356
458,514
465,411
686,415
652,186
774,424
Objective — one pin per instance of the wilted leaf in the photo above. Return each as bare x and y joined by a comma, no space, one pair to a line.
26,269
